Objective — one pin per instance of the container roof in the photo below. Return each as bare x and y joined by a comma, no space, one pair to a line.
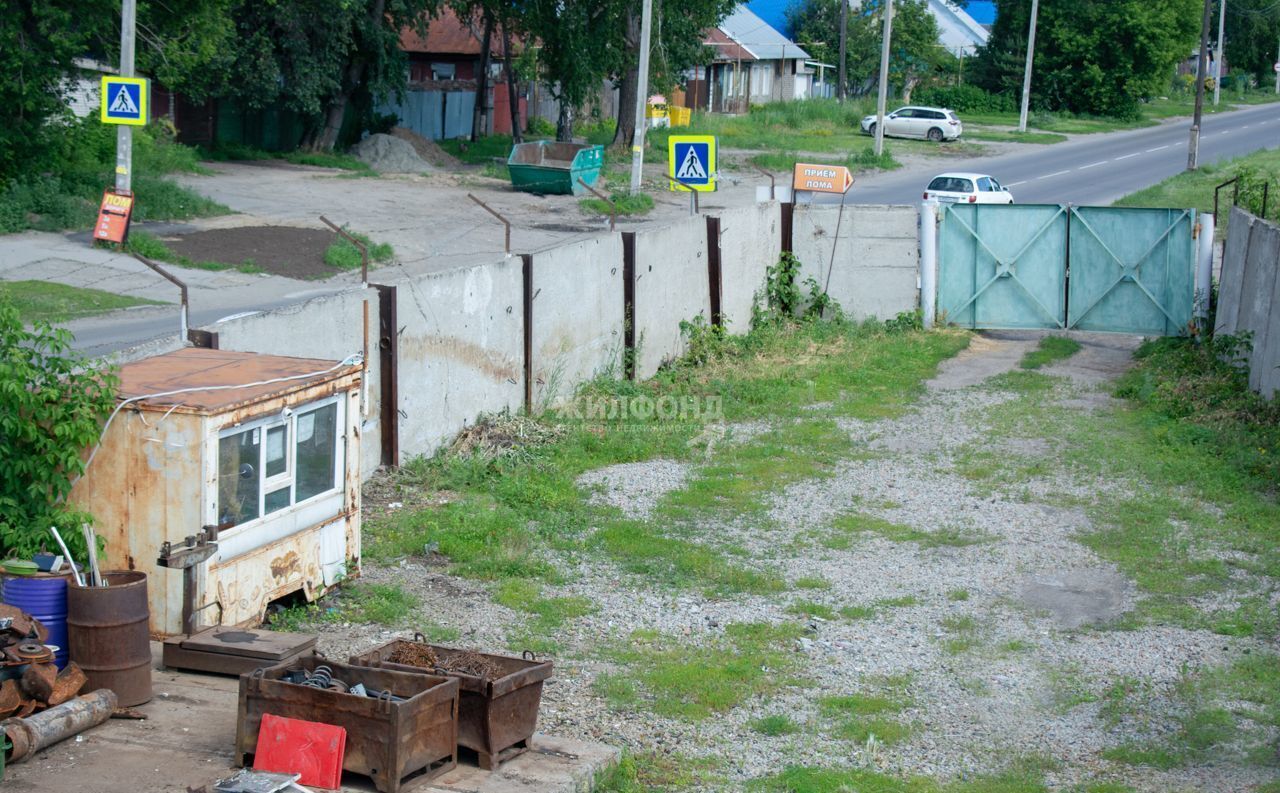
232,378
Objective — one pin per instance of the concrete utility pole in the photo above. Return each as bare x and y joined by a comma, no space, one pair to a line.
884,75
642,98
1217,54
1278,69
842,84
1202,66
1026,72
124,132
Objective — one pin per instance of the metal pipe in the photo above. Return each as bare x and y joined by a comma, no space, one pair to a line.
504,221
1234,181
613,208
360,246
693,200
1204,266
929,262
182,287
46,728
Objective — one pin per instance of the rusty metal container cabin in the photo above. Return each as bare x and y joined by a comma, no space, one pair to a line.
494,716
390,742
155,479
108,636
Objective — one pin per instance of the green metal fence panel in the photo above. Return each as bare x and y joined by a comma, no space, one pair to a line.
1132,270
1003,266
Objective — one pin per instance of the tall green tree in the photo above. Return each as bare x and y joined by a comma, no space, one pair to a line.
914,53
577,45
679,28
1253,32
1098,57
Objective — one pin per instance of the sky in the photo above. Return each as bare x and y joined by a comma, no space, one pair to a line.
775,12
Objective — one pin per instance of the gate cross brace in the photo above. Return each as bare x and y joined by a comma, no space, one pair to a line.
1127,271
1005,268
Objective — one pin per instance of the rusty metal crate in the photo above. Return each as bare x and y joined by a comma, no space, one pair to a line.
496,718
391,742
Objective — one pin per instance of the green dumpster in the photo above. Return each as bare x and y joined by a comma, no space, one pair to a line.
548,167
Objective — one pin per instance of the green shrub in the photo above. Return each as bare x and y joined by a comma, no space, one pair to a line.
965,99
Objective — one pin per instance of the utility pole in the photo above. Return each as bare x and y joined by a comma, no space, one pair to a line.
1217,54
124,132
842,85
642,98
1277,68
884,76
1026,72
1202,66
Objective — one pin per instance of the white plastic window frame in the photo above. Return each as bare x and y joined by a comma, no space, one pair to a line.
272,484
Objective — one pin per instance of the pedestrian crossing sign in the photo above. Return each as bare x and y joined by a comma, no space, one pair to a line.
124,100
692,162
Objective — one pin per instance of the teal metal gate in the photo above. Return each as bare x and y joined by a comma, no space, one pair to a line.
1116,269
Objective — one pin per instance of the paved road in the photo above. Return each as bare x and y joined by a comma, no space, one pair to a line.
1096,169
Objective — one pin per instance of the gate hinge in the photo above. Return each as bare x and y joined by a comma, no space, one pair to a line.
1195,231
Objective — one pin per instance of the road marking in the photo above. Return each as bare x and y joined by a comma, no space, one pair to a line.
1014,184
1246,126
1223,132
1157,148
1093,164
1051,175
241,315
1127,156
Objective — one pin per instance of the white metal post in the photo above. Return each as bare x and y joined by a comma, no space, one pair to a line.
1217,54
642,98
929,262
884,76
1204,265
124,132
1026,72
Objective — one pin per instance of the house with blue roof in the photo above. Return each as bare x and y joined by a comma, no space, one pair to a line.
753,63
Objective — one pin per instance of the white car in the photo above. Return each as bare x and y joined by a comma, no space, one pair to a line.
972,188
933,123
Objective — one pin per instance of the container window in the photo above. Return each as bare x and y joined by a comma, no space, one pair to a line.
317,448
238,476
276,500
277,451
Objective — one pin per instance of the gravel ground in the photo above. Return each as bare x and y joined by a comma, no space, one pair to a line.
1032,592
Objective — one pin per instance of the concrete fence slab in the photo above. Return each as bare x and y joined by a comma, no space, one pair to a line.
671,285
874,272
750,242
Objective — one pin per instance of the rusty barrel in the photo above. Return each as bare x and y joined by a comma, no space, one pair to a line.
108,635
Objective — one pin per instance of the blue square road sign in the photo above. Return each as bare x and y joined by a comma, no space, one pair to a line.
124,100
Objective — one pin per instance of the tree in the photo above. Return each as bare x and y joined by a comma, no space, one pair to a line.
1092,56
679,28
1253,30
914,53
577,47
52,405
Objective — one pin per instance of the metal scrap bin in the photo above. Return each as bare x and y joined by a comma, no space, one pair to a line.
496,718
392,742
548,167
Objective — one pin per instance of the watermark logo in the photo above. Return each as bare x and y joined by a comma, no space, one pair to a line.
643,408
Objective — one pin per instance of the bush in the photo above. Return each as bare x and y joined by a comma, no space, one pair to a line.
965,99
52,405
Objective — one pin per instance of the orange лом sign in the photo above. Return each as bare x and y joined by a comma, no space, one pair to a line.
113,216
821,178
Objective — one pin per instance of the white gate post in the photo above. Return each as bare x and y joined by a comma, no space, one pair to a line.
1204,265
929,262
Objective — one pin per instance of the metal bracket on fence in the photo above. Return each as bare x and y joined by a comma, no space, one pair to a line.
613,208
1235,194
182,316
360,246
693,194
1266,190
501,219
772,193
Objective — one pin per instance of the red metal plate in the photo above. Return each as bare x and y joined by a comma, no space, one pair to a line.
294,746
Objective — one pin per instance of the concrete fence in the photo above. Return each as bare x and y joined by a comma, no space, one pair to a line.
876,264
524,332
1249,295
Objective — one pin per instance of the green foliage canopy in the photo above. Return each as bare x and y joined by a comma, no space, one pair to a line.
52,405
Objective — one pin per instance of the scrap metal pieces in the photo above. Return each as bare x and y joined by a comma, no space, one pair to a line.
30,735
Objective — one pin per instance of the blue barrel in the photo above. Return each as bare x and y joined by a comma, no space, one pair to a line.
45,598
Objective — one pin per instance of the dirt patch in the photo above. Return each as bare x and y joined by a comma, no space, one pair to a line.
426,148
278,250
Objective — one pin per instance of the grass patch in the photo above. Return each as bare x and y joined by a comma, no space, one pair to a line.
696,682
44,301
342,254
623,203
653,771
958,595
774,726
866,612
227,151
854,523
1069,687
487,150
806,779
809,608
812,582
864,716
863,158
963,633
1013,136
549,614
148,245
1050,349
1194,189
382,604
